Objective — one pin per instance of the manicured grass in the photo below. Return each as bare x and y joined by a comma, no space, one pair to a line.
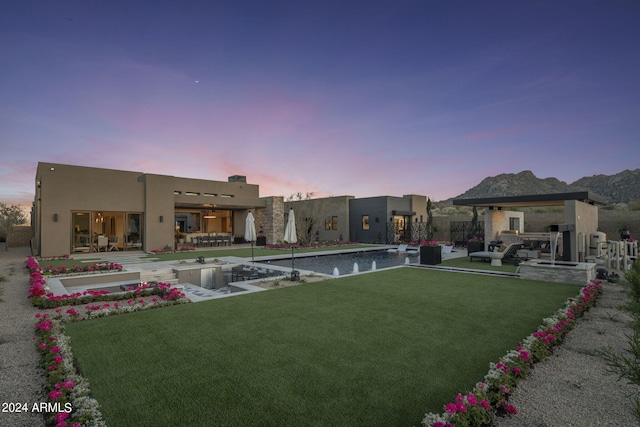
375,349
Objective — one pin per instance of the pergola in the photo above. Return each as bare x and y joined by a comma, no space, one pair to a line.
580,216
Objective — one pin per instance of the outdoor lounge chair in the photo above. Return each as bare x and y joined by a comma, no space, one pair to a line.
510,253
400,249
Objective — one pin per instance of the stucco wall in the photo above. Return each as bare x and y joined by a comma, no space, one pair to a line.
61,189
585,218
497,221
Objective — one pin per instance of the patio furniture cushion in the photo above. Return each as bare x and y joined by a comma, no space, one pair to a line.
509,253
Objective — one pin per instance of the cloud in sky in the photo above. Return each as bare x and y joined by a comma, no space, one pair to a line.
332,98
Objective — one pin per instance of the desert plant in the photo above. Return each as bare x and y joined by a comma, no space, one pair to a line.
10,217
627,363
430,227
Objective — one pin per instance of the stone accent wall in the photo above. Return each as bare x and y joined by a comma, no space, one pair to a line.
578,273
271,219
20,236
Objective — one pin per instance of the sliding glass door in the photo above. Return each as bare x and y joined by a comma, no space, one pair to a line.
121,231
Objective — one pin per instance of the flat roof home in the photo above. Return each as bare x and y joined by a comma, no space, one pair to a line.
86,209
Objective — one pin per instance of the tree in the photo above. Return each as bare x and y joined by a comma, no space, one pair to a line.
10,216
430,228
474,222
310,216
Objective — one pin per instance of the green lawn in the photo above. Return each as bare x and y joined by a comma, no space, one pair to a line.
375,349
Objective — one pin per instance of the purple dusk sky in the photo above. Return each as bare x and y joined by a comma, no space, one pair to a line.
363,98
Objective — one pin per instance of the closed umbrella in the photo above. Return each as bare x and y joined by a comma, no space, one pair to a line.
290,236
250,230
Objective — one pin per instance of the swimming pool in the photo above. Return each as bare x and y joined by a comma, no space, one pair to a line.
345,262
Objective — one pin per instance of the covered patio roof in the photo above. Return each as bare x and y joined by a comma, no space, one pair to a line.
554,199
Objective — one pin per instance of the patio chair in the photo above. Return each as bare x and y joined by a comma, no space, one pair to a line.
510,253
103,243
113,244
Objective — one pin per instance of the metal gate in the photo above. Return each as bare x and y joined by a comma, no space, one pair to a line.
412,232
462,231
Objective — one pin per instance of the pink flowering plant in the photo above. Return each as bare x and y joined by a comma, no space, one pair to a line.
328,244
33,265
490,397
42,297
63,383
429,243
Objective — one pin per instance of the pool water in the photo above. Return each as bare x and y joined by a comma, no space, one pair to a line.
344,262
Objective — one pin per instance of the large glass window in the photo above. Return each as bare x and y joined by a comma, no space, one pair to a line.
93,231
365,222
331,223
218,221
133,231
81,232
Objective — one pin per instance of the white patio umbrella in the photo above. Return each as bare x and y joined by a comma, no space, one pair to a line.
290,235
250,230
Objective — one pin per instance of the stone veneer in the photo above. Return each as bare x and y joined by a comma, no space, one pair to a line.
271,219
579,273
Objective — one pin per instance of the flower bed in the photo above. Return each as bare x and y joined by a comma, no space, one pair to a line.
65,388
173,251
311,246
33,265
41,297
489,398
63,385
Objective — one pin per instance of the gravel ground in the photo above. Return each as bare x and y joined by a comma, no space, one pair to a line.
21,379
572,388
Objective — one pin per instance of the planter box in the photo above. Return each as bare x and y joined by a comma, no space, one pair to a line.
430,255
261,240
475,247
238,240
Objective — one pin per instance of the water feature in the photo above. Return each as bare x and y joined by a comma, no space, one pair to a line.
334,264
355,268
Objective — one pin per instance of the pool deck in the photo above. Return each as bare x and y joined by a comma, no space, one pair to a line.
139,261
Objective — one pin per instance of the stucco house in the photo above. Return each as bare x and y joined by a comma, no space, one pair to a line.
85,209
75,205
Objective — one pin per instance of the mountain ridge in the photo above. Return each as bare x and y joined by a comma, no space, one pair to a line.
623,187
